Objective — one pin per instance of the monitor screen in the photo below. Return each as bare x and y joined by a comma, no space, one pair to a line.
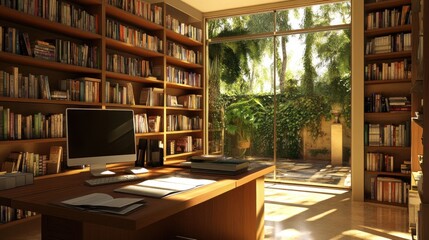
96,137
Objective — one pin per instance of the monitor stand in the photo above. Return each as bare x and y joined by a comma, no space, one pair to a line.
99,170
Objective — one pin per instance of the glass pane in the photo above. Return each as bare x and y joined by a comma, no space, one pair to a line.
241,99
241,25
313,16
313,89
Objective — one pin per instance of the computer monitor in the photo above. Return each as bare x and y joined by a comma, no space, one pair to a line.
97,137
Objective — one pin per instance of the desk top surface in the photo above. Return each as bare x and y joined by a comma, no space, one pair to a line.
46,193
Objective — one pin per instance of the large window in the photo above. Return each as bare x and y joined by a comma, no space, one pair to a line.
272,96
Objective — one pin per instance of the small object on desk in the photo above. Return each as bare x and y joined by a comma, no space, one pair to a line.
102,202
136,170
113,179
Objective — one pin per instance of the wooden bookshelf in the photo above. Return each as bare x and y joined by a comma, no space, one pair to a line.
387,80
39,28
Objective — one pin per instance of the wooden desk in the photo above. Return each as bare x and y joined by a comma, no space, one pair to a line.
230,208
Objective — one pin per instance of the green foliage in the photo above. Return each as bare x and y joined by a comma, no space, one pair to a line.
252,117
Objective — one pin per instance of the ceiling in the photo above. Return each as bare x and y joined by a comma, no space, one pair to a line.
217,5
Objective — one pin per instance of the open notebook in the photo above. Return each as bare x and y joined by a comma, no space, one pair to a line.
161,187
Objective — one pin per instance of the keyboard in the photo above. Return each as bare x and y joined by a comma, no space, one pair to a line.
112,179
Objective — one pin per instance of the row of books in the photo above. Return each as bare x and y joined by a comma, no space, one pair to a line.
133,36
68,52
387,44
382,162
8,214
34,163
184,144
184,29
15,126
120,94
183,122
389,17
388,70
379,103
128,65
189,101
140,8
145,123
84,89
14,84
17,42
57,11
180,52
376,134
180,76
389,189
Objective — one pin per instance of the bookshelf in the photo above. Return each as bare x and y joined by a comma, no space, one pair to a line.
130,48
389,73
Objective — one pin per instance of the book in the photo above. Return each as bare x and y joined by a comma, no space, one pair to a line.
102,202
222,164
164,186
12,162
54,163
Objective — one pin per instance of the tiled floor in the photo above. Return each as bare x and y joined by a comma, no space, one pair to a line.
313,172
304,212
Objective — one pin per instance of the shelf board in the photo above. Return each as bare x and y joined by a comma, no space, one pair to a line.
183,132
46,101
150,134
387,81
133,19
29,141
386,4
391,55
183,109
126,47
187,154
398,174
388,116
36,62
41,23
182,63
388,30
182,86
126,77
137,106
388,148
182,39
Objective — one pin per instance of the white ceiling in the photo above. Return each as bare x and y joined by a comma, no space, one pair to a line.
217,5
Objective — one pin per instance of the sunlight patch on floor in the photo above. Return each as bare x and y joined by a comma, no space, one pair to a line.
322,215
291,234
306,188
387,232
295,197
279,213
358,234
